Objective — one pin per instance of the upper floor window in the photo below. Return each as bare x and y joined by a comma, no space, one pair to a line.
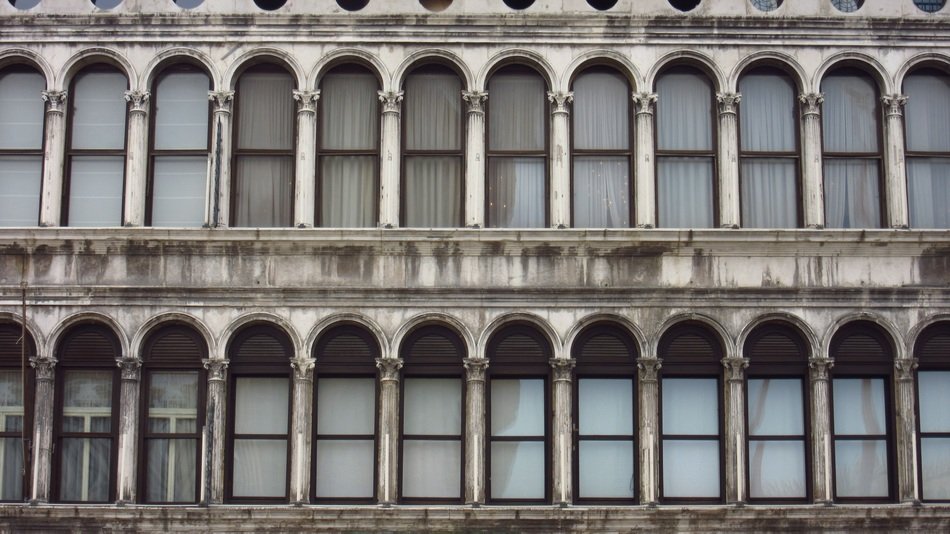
433,188
16,411
768,137
348,150
933,418
264,148
852,150
601,150
517,149
685,150
96,148
21,146
179,148
927,123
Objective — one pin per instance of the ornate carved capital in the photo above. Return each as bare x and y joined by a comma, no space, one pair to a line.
389,369
563,368
45,368
735,368
820,367
728,102
894,105
392,101
131,368
649,368
55,101
475,100
307,101
905,369
138,101
221,100
303,368
811,104
217,369
475,369
561,102
645,102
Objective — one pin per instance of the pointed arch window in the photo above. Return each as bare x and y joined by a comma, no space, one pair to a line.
21,145
16,411
933,420
927,124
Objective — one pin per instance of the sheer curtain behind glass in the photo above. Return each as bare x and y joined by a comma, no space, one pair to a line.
933,391
769,162
172,411
685,150
601,129
776,438
927,123
690,422
432,448
517,444
87,436
261,408
21,147
605,438
11,443
860,427
264,166
345,442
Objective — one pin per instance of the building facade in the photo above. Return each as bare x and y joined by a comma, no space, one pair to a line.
474,265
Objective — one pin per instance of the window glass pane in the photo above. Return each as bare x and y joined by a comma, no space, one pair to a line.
601,192
433,406
927,112
95,190
690,406
859,406
605,406
775,407
345,468
21,110
776,469
769,193
20,178
84,469
261,405
928,184
11,466
516,197
174,396
178,190
861,468
172,468
685,190
601,111
517,407
265,109
432,468
684,112
433,112
99,111
346,406
606,469
433,191
517,470
935,468
348,191
264,191
11,396
849,113
181,111
852,193
767,117
350,111
933,390
87,395
260,468
516,115
690,468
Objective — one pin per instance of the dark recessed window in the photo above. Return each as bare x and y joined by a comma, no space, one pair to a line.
519,4
191,4
684,5
352,5
270,5
106,4
436,5
847,6
930,6
767,5
602,5
24,4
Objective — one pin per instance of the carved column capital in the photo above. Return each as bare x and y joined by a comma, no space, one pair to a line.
820,368
303,368
894,105
45,368
735,368
217,369
307,101
475,369
563,368
131,368
389,369
905,368
475,100
138,101
392,101
728,102
221,100
645,102
649,369
55,101
811,104
561,102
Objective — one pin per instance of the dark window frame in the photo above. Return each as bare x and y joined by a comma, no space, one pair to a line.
10,360
38,152
927,361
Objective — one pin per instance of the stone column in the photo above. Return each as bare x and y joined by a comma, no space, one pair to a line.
388,429
728,157
219,164
475,159
645,153
389,159
563,371
51,203
306,170
821,443
813,203
300,430
895,171
649,369
734,431
475,430
213,434
45,369
560,159
128,428
136,160
905,430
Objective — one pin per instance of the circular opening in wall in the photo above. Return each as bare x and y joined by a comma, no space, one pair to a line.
106,4
519,4
684,5
436,5
602,5
24,4
930,6
188,4
352,5
767,5
847,6
270,5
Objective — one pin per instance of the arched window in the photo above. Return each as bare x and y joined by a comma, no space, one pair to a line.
433,418
263,192
601,150
517,149
259,415
345,416
348,149
16,418
21,145
776,414
691,415
433,189
518,421
173,413
87,415
861,414
851,133
605,452
179,147
768,134
927,124
96,148
933,418
685,150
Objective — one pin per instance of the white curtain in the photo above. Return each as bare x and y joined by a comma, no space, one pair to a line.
516,116
928,185
605,408
601,111
99,111
172,463
852,193
345,467
776,467
601,192
690,408
516,196
85,466
933,398
178,190
769,193
517,470
21,110
517,410
685,192
432,407
261,407
20,178
517,407
348,191
927,116
263,196
181,110
433,191
861,466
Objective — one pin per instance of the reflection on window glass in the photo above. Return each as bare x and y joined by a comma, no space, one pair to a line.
847,6
860,428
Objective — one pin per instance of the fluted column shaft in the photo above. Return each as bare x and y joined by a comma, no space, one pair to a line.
649,369
387,481
128,428
813,203
300,430
560,159
45,370
563,374
136,159
735,464
54,154
213,435
475,430
906,430
475,159
306,169
729,204
219,164
822,490
645,153
895,169
389,159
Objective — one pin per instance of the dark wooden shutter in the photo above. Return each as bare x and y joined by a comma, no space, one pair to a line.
346,347
776,345
261,344
518,345
605,346
434,346
176,345
690,348
90,345
10,346
862,347
933,346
